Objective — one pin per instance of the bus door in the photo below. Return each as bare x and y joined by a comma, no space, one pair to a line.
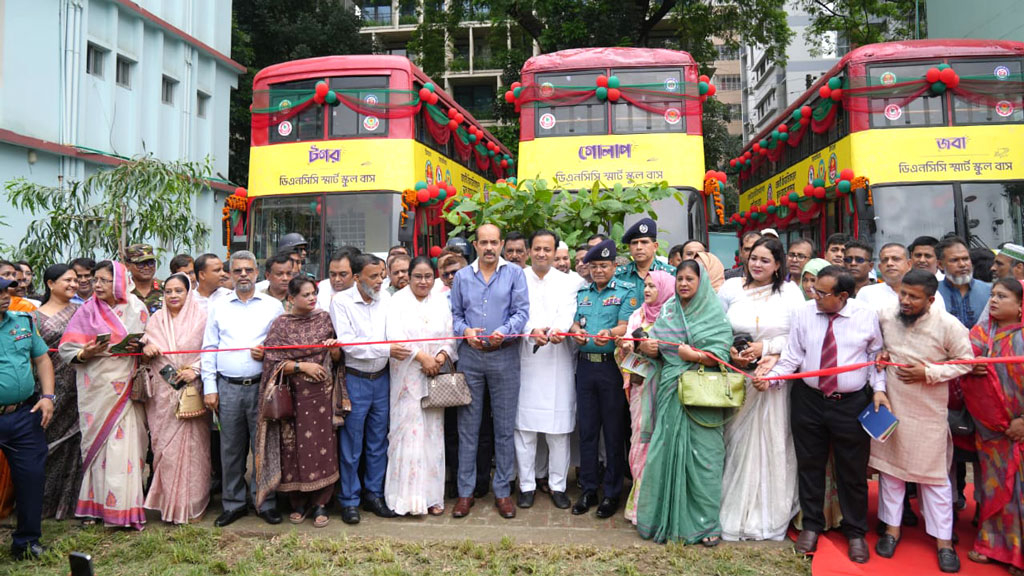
430,230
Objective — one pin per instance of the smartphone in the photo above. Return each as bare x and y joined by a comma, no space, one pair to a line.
741,342
81,564
169,374
103,338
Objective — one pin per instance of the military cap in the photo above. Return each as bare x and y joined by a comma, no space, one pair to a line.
603,251
137,253
644,228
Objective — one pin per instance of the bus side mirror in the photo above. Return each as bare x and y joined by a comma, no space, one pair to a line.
865,209
405,230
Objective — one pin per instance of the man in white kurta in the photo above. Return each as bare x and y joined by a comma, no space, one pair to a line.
917,335
547,393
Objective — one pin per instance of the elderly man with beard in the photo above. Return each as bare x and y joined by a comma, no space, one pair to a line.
1009,262
231,379
965,297
359,315
917,335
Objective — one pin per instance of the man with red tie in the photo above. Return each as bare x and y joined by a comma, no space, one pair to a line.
832,330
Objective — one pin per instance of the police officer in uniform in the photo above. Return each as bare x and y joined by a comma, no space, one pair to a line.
602,309
642,239
23,416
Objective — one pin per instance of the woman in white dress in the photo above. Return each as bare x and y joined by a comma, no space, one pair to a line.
759,485
414,484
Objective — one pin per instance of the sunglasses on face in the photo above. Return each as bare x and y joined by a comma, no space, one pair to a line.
857,259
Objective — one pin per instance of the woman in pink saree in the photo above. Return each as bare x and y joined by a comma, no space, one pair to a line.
113,427
181,442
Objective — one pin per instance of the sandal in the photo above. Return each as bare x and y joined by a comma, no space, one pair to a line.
436,510
88,521
320,517
299,515
978,557
711,541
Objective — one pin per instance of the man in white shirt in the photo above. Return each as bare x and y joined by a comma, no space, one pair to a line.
834,330
210,278
339,277
924,257
231,380
359,315
894,262
547,390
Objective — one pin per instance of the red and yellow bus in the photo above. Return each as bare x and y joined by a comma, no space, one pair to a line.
617,116
339,144
927,134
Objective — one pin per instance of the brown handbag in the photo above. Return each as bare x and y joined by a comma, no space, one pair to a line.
447,390
277,400
140,383
190,403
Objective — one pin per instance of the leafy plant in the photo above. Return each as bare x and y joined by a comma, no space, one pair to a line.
532,205
144,199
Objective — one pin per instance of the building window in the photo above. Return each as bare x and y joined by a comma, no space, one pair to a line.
727,52
167,88
94,60
727,81
124,72
202,104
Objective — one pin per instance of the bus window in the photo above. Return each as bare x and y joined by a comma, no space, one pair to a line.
587,117
306,125
630,119
993,211
367,221
893,112
346,122
276,216
1008,109
904,212
696,218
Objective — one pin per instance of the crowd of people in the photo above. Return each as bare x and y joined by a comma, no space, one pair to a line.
121,393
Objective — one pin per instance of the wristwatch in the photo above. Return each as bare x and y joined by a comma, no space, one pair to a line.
50,397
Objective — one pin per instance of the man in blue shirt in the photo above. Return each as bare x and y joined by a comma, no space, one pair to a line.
23,416
489,301
602,309
965,297
642,239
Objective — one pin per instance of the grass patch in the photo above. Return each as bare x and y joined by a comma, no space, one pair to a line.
199,551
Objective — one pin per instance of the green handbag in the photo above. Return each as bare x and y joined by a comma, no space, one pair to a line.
712,389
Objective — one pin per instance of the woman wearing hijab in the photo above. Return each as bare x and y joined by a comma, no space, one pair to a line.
659,286
180,489
809,276
113,426
714,267
682,481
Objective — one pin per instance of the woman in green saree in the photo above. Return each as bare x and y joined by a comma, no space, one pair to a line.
682,489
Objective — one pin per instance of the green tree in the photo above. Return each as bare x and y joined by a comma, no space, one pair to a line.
143,199
860,22
266,32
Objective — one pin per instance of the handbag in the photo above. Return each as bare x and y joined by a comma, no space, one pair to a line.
140,384
960,422
711,389
190,403
447,390
277,400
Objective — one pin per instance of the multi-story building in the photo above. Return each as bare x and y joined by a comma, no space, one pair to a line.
728,81
768,87
87,83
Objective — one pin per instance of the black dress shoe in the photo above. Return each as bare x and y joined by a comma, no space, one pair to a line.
230,516
886,546
948,560
350,515
270,516
32,551
560,500
526,499
583,505
608,508
378,506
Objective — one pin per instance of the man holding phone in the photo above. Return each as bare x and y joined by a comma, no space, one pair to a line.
23,417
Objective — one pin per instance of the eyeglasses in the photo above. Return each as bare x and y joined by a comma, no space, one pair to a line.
819,294
146,264
101,281
795,256
449,274
857,259
244,271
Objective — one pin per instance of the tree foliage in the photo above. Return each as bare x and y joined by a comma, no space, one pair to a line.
860,22
266,32
533,205
142,200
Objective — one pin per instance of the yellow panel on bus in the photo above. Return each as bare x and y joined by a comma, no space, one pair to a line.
579,161
898,155
352,166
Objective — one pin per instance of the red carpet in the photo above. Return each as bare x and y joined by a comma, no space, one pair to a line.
915,555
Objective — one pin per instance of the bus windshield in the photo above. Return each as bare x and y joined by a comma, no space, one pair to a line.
905,212
993,212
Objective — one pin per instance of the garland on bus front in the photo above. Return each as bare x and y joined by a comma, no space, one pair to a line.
713,183
1000,91
656,98
803,208
233,214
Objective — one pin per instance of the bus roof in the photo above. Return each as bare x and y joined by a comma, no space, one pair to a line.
897,51
617,57
325,66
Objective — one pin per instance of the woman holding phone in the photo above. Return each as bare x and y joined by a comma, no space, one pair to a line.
113,427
